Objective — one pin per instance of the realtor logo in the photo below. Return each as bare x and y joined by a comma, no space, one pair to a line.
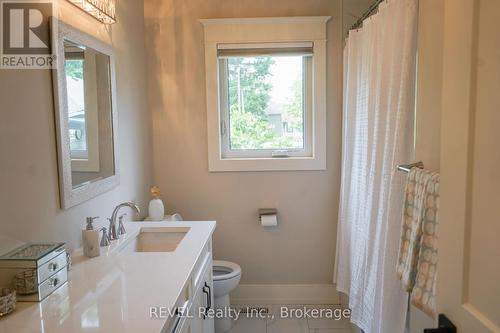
26,34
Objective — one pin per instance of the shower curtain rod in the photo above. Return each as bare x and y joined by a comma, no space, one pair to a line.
373,7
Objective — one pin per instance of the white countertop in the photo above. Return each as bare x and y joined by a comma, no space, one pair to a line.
114,292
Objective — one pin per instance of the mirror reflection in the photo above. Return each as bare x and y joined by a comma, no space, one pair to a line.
90,124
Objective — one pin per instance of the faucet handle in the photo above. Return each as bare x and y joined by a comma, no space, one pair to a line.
104,238
121,227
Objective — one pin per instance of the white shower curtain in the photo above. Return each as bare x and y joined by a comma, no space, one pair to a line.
379,104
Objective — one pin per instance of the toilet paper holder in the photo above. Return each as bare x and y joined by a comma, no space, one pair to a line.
267,211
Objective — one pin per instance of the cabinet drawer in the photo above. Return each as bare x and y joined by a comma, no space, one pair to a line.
201,259
182,319
54,282
183,302
45,288
184,326
51,267
199,273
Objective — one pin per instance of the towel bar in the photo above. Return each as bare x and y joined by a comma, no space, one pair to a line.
407,167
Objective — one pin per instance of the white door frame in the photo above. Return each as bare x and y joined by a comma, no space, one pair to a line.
458,106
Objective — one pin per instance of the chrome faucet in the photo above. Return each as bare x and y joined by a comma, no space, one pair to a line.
112,221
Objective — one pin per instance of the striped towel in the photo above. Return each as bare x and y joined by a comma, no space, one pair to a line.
418,247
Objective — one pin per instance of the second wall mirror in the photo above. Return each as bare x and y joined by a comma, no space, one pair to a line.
84,89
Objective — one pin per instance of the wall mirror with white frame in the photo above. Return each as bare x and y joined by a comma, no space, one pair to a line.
84,89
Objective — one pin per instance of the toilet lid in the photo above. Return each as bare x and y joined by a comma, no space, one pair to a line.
223,270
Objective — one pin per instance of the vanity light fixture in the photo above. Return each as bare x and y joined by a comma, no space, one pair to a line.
102,10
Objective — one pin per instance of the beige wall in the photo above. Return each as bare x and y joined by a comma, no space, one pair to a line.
429,81
29,195
301,249
428,106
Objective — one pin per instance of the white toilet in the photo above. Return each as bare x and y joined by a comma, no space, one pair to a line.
226,277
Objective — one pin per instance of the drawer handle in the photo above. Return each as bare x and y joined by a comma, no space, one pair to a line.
204,314
54,282
209,295
53,266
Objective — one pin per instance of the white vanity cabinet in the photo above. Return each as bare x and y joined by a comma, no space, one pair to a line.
151,271
197,298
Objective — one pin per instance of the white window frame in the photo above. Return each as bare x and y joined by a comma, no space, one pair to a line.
272,31
306,151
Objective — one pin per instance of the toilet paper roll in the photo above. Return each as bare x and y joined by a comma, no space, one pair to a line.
269,220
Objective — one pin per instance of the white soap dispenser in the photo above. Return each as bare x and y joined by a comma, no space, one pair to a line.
156,207
90,239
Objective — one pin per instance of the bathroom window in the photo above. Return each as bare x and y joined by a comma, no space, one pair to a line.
266,107
265,103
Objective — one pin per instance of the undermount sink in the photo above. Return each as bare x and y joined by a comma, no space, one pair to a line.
156,239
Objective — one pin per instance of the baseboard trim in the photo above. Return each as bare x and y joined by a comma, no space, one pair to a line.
285,294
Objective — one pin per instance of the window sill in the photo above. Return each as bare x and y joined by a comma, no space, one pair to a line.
267,164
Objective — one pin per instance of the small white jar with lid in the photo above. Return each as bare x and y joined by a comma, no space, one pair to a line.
156,208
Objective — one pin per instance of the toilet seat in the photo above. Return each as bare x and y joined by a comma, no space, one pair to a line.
226,276
225,270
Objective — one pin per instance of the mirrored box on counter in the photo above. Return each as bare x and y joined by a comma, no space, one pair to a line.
34,270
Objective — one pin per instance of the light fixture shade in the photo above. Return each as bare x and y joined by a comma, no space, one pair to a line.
102,10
